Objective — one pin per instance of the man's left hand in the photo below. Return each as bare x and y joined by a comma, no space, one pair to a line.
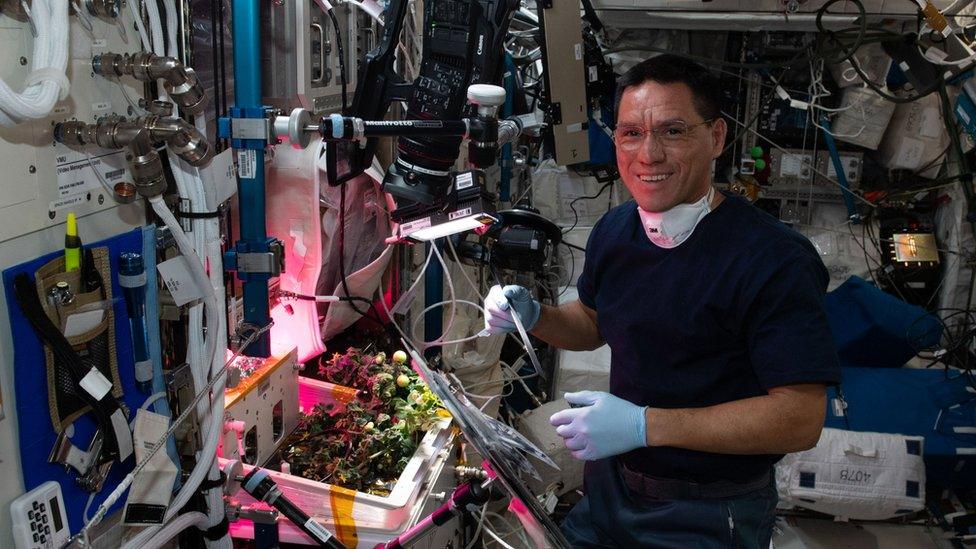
603,425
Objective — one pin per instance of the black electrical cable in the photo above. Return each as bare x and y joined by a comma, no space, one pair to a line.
572,268
573,246
850,52
864,249
342,59
572,204
342,262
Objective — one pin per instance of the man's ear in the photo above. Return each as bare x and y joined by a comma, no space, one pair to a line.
719,131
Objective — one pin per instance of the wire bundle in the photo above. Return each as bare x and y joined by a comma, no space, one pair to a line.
46,84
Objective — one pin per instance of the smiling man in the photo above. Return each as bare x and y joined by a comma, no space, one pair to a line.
714,315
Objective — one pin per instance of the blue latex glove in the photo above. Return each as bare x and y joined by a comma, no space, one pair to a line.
499,304
603,426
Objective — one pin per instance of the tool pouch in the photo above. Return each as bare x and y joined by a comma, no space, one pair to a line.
95,345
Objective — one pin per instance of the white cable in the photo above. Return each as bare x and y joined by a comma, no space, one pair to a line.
91,499
211,432
215,386
440,341
152,398
497,539
172,26
209,246
517,529
177,525
140,25
155,28
481,523
457,259
205,235
420,277
47,83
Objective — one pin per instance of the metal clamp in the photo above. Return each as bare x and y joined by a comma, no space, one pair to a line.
258,262
271,262
251,128
90,477
69,455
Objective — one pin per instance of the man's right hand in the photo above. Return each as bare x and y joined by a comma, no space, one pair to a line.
501,301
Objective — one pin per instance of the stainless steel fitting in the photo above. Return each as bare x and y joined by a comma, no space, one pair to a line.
140,136
179,81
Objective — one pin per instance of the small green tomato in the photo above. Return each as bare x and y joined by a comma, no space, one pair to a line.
402,380
400,357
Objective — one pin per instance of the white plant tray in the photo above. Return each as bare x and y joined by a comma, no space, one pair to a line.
363,519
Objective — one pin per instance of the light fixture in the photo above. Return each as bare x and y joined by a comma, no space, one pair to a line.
467,207
431,228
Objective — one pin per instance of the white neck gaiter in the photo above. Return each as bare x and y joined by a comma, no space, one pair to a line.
669,229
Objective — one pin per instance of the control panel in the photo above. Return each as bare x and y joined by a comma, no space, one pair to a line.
303,63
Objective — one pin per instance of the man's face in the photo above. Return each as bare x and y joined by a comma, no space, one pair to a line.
662,171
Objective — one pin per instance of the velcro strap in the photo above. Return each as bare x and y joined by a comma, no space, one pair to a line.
217,531
54,76
208,484
198,215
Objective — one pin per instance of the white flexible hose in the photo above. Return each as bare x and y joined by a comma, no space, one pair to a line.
47,82
155,28
450,289
210,245
172,26
203,365
140,25
176,526
211,431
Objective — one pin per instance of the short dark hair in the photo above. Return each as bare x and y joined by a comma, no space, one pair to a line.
669,69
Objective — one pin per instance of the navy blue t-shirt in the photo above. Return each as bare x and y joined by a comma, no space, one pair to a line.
733,311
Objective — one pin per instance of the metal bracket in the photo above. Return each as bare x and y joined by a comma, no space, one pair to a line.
93,481
69,455
271,262
179,377
258,262
90,477
251,128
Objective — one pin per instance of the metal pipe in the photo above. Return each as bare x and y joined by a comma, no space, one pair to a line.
248,104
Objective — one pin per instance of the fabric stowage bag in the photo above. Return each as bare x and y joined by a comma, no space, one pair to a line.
866,476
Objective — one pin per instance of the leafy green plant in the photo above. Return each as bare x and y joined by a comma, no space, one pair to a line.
365,444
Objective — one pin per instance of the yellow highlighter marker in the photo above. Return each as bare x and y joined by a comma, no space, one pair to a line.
72,245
